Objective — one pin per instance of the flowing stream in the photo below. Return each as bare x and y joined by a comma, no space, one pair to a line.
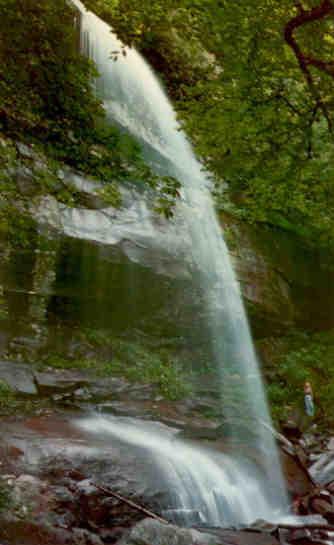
134,98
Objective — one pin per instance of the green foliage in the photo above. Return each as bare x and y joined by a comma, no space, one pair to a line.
17,225
6,500
138,363
7,397
308,357
3,306
131,360
45,84
111,195
59,361
169,191
261,122
12,403
230,238
47,99
152,370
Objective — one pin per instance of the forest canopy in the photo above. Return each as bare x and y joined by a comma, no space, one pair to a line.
47,99
254,85
252,81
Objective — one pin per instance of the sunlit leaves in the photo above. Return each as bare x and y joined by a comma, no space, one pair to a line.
251,113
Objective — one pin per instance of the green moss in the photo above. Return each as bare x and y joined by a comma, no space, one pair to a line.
7,395
6,500
9,400
11,403
230,238
59,361
131,360
162,373
110,194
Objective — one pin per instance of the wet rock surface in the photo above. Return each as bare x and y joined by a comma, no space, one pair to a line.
81,389
151,532
55,470
53,496
61,478
284,282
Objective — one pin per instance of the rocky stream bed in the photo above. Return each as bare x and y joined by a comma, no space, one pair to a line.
61,480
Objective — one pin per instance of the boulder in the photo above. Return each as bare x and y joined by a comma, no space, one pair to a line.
19,377
322,470
321,503
153,532
59,382
26,151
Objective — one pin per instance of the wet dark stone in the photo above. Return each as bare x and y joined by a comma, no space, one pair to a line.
298,480
291,430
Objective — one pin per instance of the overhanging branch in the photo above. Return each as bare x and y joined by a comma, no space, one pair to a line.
324,10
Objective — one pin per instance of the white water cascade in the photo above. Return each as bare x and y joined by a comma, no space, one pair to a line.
134,98
204,485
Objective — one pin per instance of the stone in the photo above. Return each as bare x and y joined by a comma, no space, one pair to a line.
25,181
18,532
18,377
86,488
63,495
298,480
92,202
299,535
25,345
322,470
203,433
107,388
178,516
83,394
153,532
302,456
25,151
230,537
111,535
49,383
323,507
84,537
28,490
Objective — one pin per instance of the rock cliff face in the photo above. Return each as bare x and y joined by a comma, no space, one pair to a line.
128,271
285,283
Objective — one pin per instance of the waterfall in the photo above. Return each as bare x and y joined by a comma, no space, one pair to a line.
134,98
203,486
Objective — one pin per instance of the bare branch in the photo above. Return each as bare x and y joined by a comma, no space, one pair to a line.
325,9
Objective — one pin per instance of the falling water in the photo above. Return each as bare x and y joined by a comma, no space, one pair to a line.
134,98
203,485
